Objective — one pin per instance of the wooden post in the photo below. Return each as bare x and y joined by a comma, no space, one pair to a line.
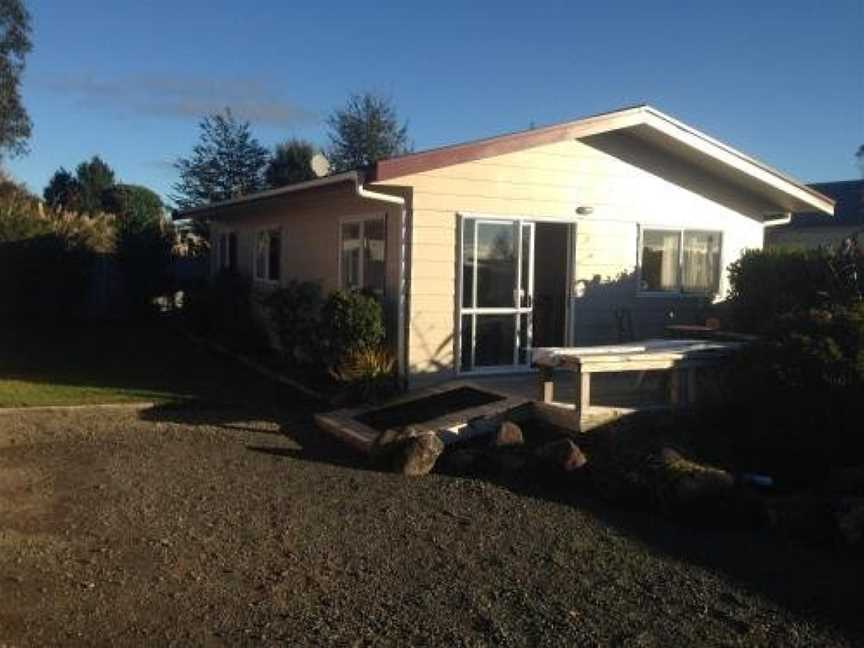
546,390
583,390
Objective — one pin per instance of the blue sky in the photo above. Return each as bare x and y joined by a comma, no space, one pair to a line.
783,81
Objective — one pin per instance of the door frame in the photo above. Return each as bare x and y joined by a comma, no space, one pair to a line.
571,224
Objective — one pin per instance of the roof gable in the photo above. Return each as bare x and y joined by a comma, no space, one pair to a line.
649,124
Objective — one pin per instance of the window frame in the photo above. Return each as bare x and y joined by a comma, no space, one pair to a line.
360,220
266,278
679,292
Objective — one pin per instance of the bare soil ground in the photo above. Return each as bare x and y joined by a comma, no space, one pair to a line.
191,527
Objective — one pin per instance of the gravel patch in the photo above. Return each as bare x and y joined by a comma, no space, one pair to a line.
175,527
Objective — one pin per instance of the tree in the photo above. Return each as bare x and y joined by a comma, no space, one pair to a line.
291,162
226,163
94,179
364,131
63,191
128,201
15,125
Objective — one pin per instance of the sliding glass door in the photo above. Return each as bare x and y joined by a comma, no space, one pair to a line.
497,293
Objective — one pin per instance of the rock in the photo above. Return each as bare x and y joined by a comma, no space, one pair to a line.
563,454
417,455
390,441
509,434
678,481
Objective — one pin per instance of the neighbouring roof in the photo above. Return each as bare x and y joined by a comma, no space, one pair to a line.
848,210
778,192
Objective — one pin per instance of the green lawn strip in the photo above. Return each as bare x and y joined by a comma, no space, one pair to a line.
113,364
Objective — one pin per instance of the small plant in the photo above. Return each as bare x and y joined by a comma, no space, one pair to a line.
369,373
295,312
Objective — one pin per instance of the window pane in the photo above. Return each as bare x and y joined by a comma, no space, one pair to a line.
496,335
466,341
660,256
374,249
261,255
701,261
496,265
351,255
468,262
275,254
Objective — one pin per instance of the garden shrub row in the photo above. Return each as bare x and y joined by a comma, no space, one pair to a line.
794,401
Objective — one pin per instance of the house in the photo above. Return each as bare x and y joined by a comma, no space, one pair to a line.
565,235
815,229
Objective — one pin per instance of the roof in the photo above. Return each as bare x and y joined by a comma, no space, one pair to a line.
776,191
644,122
848,210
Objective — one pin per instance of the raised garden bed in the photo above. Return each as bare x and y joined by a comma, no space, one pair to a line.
427,408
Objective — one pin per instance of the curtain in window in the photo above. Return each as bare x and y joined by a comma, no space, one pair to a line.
373,255
660,260
351,248
701,271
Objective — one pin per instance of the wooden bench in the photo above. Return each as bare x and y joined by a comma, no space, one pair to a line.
681,357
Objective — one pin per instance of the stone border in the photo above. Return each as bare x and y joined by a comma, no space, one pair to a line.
73,408
450,428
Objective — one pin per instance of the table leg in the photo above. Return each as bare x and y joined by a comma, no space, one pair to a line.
583,391
691,387
675,385
546,384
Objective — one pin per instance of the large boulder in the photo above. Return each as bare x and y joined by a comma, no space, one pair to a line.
417,455
410,450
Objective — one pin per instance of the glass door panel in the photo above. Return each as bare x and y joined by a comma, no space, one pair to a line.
497,293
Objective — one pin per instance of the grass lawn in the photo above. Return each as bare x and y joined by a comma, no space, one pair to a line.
117,363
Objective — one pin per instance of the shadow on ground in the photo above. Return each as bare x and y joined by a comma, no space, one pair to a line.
820,581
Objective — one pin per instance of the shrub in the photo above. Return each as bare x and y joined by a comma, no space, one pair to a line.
350,321
295,312
222,310
765,284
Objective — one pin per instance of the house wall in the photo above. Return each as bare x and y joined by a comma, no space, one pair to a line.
309,222
549,182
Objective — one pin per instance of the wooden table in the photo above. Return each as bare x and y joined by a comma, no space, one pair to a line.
681,357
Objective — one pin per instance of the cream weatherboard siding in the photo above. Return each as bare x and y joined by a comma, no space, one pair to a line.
549,182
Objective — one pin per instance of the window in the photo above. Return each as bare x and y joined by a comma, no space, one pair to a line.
680,261
268,253
362,254
228,251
